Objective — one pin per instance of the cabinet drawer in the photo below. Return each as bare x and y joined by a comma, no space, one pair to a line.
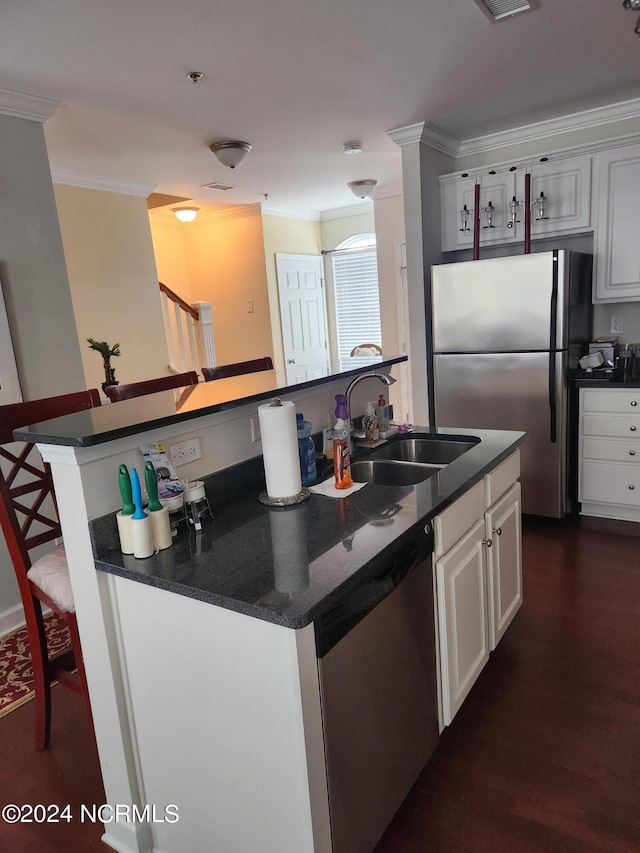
613,450
454,522
501,479
610,483
613,400
615,426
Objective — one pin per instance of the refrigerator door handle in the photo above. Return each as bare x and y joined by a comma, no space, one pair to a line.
553,408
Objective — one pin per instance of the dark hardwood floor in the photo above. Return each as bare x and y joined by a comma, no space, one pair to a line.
543,757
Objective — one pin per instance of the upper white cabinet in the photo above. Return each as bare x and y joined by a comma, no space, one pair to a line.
566,185
456,192
617,248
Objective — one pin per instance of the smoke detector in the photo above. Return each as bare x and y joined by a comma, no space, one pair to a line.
496,10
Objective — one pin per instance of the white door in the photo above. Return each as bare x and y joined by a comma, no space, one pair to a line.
303,316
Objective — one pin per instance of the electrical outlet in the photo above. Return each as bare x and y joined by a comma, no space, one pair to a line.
255,430
185,451
616,325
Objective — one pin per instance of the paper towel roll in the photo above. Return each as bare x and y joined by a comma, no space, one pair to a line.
280,449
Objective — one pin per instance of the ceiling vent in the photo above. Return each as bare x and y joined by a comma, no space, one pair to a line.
495,10
217,186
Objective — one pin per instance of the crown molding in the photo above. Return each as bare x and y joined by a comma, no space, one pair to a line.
290,213
388,191
97,182
427,134
365,206
597,117
26,106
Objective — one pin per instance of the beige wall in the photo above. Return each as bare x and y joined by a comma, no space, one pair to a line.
389,216
172,261
283,235
227,268
113,279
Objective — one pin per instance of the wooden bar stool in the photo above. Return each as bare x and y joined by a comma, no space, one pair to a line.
29,518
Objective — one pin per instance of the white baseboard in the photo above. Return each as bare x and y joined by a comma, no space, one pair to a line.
11,619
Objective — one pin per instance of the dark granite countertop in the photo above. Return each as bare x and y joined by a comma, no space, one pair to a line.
287,566
616,380
130,417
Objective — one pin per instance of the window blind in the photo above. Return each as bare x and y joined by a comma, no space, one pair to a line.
355,279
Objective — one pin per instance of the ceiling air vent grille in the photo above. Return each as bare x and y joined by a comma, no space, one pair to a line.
498,9
217,186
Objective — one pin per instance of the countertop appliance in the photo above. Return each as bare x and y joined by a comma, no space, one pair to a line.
505,333
377,669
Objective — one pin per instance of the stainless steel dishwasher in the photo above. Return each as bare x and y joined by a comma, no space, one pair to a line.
377,668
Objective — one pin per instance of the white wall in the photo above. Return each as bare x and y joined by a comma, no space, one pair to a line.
36,291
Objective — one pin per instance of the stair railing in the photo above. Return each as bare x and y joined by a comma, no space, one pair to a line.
189,332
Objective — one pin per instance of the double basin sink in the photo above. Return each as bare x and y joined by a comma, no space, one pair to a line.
410,459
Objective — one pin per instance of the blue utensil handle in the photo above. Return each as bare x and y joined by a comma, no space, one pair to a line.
137,495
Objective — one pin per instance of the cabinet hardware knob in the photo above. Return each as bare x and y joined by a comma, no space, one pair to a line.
487,542
632,428
631,488
291,361
634,402
498,531
427,529
632,453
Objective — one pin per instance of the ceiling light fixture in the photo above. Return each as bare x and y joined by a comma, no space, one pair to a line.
230,153
195,76
362,189
186,214
352,148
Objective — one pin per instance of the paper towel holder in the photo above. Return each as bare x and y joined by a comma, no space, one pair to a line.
303,495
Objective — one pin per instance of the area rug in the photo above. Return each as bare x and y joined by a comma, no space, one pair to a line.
16,673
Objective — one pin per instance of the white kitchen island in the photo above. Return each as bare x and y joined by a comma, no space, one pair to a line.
202,669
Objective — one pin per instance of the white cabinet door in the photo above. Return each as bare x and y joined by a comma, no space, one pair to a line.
456,192
566,186
617,268
462,618
504,562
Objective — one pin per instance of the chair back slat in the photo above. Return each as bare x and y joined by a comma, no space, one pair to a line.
116,393
25,475
222,371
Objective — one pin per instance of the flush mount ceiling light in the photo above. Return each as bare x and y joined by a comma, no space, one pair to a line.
186,214
362,189
231,153
352,148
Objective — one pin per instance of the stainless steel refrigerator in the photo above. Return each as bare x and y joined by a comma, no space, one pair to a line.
505,333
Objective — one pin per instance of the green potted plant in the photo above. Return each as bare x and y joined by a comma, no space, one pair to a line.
107,352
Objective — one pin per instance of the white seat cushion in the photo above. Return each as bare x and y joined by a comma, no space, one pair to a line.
51,575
